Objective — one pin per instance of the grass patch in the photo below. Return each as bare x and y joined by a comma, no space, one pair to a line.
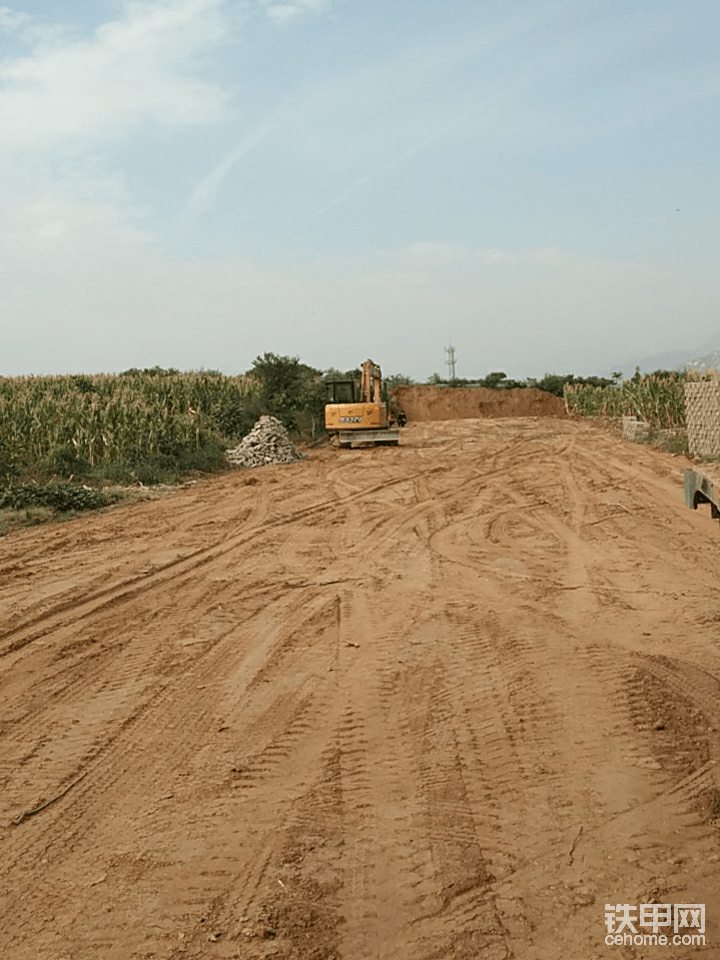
29,504
673,440
63,484
15,519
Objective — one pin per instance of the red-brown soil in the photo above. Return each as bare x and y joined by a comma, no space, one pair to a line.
444,700
459,403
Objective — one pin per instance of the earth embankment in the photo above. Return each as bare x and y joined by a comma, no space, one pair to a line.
460,403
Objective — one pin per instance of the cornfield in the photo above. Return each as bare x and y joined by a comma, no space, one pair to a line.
111,419
658,400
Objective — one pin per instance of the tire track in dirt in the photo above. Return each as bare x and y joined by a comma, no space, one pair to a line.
681,714
460,812
174,572
113,685
115,769
386,861
438,747
572,566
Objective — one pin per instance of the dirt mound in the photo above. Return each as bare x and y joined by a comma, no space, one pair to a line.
266,443
462,403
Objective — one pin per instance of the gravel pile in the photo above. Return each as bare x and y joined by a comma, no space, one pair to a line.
266,443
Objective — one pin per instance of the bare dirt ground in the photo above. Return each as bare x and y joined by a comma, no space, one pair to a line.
445,700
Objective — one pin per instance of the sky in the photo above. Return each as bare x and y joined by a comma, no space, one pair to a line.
193,183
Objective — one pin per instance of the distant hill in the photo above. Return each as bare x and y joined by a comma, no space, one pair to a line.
705,356
711,361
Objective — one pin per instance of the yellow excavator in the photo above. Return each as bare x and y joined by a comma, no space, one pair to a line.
358,411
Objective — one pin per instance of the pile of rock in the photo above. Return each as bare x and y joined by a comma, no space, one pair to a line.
266,443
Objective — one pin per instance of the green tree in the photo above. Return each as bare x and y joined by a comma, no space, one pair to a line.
398,380
333,374
555,382
494,380
287,389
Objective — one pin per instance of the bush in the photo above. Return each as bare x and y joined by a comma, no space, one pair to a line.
235,416
551,383
167,467
64,461
288,389
397,380
60,496
555,383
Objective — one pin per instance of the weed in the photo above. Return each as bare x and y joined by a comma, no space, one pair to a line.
673,441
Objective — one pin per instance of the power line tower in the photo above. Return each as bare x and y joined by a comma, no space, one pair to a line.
450,362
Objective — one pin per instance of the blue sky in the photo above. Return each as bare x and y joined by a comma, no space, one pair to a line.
194,182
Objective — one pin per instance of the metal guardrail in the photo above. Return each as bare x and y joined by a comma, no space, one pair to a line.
701,489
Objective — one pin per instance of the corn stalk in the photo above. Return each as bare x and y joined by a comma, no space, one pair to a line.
658,400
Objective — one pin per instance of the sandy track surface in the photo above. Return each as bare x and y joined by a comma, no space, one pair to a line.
445,700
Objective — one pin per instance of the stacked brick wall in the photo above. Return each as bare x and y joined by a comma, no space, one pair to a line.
635,429
702,415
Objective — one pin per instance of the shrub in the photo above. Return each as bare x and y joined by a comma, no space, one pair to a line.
60,496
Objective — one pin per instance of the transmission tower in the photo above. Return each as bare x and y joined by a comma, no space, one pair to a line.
450,362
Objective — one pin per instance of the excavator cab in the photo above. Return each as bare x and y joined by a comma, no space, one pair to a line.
342,391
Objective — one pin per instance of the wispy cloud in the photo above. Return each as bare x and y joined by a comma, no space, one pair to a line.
77,202
69,100
282,12
132,71
12,19
384,168
203,196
